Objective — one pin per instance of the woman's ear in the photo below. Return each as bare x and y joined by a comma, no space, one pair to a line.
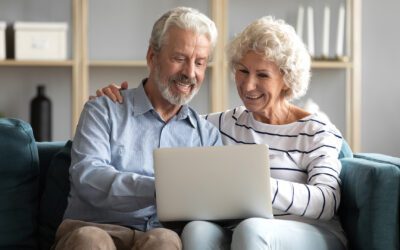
285,87
285,90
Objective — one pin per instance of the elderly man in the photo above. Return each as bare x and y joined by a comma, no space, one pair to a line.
111,203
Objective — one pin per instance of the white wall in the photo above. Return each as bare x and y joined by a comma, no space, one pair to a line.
380,77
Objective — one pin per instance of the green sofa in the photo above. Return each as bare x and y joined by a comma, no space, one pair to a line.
34,187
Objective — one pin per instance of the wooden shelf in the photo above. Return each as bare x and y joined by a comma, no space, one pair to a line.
330,64
139,63
123,63
36,63
117,63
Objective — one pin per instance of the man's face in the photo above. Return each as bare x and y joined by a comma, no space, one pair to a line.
180,65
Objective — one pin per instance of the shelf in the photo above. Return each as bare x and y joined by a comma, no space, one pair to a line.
36,63
123,63
330,64
109,63
141,63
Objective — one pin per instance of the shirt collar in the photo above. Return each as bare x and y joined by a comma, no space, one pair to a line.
186,113
142,104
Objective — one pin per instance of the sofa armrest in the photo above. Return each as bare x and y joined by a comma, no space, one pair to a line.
369,209
379,158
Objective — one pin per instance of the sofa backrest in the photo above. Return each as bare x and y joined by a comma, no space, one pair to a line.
345,151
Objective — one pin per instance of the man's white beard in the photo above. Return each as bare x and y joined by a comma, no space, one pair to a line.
174,98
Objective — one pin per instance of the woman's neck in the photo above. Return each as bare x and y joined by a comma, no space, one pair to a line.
277,114
283,113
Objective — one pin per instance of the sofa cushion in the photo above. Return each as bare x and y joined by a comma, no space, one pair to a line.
19,176
54,199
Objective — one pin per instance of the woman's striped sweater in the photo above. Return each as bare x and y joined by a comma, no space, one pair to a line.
303,160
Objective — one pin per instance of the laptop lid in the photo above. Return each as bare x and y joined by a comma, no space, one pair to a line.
212,183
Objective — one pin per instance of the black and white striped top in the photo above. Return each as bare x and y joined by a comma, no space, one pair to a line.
303,160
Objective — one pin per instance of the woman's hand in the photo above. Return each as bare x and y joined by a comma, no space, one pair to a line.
112,91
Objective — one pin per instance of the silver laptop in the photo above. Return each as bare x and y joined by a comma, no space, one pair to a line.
212,183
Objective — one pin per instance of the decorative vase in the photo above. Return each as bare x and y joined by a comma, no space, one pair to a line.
41,115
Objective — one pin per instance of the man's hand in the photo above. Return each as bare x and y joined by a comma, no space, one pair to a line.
112,91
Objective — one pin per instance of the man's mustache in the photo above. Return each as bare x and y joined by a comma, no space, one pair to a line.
184,79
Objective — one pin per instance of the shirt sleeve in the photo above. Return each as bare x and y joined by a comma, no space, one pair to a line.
319,197
93,177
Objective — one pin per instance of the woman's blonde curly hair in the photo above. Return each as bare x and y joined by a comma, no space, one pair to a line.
278,43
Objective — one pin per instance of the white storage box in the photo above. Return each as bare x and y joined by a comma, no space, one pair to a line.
40,41
2,40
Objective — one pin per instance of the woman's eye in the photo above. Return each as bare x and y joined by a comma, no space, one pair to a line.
243,71
263,75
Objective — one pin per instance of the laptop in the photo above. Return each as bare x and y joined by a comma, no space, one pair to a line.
212,183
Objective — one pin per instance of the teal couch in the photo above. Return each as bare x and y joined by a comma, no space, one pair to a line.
34,186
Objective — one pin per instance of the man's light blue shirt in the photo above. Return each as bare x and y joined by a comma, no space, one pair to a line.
112,176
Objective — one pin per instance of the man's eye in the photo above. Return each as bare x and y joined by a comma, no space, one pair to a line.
179,59
244,71
200,63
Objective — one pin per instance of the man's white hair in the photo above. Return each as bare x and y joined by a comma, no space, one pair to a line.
184,18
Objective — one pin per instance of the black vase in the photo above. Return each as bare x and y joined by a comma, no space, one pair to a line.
41,115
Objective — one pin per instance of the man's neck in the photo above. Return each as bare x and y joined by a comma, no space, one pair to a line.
164,108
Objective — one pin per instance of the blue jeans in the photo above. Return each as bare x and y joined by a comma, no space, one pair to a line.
258,233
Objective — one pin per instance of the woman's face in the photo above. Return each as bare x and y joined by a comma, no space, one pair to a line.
259,83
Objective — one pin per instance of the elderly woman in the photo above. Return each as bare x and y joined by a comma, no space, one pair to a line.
272,67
